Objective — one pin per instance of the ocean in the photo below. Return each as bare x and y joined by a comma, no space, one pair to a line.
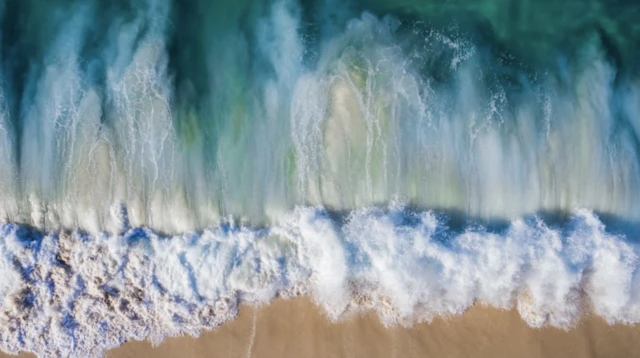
165,161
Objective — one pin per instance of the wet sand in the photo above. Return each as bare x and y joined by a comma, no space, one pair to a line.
298,328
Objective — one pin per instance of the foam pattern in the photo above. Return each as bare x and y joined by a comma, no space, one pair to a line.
74,294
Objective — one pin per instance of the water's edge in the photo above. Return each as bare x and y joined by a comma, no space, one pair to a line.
74,294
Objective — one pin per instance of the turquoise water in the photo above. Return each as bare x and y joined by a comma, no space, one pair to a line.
163,161
183,113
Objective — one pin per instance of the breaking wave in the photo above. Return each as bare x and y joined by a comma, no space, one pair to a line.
75,294
186,117
164,161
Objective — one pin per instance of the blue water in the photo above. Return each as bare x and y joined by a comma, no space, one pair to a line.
163,161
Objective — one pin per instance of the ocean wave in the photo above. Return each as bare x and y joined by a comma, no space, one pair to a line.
187,116
75,294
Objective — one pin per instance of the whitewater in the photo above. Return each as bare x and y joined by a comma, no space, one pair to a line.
72,294
164,162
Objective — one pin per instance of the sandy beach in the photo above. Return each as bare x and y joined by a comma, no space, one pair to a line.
298,328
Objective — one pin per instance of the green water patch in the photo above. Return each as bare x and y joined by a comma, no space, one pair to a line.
536,32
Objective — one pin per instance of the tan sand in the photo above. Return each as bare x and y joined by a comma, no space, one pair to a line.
297,328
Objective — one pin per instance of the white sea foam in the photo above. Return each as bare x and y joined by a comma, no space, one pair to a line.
272,116
71,294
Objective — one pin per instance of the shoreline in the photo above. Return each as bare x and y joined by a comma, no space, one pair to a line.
296,327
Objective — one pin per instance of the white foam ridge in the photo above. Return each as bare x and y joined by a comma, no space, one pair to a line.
77,295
